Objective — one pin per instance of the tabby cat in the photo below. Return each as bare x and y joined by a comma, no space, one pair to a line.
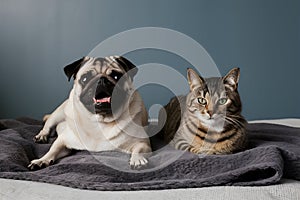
208,120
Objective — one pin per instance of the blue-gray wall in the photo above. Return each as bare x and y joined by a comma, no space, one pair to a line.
262,37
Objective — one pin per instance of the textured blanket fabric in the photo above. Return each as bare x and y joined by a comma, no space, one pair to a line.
273,153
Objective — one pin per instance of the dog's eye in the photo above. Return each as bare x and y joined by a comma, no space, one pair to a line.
85,78
116,75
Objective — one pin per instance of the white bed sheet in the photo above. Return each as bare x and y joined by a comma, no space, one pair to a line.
286,190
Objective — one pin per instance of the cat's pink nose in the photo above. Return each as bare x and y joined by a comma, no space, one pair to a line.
210,113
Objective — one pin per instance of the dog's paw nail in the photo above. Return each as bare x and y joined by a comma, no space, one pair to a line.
40,139
138,162
35,139
32,167
144,161
39,164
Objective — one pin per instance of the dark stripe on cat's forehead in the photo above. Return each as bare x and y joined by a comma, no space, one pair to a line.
213,85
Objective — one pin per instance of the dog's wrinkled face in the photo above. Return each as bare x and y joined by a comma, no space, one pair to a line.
97,79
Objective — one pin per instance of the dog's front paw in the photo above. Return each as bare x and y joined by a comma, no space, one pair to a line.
42,137
39,163
137,161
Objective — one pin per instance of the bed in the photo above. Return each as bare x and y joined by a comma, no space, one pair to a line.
286,186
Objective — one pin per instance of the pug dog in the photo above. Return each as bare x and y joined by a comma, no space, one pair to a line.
103,113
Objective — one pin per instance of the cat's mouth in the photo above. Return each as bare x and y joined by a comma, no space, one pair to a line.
215,125
209,118
216,120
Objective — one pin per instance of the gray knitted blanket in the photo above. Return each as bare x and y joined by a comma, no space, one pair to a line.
273,153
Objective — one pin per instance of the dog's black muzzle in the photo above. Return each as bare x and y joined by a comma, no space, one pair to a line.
97,95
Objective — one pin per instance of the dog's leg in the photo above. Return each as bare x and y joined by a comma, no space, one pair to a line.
56,117
57,150
138,153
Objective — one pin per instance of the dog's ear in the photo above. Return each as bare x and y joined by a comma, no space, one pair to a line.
72,69
128,66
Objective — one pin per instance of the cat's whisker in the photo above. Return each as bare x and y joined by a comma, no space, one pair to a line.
235,122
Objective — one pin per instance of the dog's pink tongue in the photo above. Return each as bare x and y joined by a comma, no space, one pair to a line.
103,100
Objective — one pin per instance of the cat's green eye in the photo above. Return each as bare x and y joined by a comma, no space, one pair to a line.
222,101
202,101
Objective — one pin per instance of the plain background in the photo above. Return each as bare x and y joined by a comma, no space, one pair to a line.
262,37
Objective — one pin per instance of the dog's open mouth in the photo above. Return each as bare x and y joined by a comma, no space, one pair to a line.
102,100
102,103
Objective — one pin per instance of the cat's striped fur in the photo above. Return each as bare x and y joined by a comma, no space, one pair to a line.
207,120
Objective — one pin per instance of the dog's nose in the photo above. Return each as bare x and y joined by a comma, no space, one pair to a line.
103,81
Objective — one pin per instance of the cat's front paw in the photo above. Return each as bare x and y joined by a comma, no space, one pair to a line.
202,151
137,161
42,137
39,164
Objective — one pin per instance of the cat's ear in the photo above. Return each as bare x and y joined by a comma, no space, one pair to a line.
194,79
232,78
